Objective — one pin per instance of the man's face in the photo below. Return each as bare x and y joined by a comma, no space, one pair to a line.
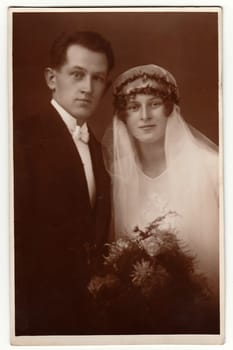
80,82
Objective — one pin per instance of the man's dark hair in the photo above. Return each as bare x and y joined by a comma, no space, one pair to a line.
90,40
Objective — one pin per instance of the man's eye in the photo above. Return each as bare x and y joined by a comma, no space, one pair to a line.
99,78
78,75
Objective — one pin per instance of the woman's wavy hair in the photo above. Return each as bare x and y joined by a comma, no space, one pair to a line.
164,91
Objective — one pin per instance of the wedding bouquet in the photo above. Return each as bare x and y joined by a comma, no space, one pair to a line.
147,283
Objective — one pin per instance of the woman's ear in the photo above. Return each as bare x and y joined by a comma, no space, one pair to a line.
50,77
169,106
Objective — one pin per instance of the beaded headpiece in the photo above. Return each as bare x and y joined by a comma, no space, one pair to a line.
146,79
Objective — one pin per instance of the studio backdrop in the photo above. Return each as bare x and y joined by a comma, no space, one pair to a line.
185,43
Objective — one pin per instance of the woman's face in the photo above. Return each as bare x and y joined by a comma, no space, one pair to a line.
146,118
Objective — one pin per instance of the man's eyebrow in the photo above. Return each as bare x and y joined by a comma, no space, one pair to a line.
79,67
104,73
85,70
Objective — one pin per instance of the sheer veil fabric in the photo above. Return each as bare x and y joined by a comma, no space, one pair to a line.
192,183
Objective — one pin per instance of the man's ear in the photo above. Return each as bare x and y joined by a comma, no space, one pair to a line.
50,77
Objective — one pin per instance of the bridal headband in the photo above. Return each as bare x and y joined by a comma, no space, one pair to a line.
147,79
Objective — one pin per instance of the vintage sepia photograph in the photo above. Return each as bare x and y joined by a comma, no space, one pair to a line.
117,171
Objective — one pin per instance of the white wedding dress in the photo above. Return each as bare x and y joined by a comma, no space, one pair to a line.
189,186
155,199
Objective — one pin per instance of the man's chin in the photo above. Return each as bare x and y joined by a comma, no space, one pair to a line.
81,118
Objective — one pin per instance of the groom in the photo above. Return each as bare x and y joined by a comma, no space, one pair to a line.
61,191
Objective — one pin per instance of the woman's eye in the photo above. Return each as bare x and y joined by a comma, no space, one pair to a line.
132,107
155,103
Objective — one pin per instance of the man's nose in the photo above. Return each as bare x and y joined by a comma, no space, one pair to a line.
145,113
87,84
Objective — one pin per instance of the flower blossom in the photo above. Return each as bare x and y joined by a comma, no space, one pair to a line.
98,283
151,245
143,270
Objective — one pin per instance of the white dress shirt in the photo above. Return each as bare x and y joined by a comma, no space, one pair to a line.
82,148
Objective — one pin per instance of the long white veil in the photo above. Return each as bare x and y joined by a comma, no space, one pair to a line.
193,172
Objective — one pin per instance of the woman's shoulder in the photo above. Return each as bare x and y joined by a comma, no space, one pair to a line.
211,168
211,158
206,149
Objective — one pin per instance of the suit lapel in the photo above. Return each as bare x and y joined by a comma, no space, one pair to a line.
96,161
102,208
58,141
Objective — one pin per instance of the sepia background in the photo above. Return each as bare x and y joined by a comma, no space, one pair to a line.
6,172
185,43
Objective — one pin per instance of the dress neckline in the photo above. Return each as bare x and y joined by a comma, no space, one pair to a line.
148,178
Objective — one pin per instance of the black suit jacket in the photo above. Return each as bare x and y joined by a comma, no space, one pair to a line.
54,226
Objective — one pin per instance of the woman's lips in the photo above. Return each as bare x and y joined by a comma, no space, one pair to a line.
147,126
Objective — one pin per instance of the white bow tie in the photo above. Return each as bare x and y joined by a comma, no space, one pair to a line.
81,133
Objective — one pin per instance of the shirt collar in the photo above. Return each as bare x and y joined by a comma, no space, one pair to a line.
68,119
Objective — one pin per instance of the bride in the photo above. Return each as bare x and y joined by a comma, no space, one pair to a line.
159,163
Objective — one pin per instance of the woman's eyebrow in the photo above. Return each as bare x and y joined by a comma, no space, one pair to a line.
155,98
132,100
